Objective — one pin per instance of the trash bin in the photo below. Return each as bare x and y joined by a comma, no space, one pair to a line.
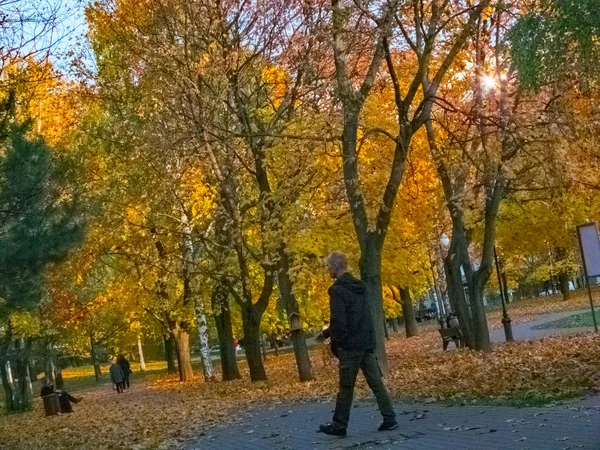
51,404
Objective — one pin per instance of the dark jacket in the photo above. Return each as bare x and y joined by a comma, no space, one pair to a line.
116,373
47,390
351,325
125,366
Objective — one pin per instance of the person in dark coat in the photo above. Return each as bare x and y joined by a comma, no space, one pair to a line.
126,368
116,375
353,334
64,398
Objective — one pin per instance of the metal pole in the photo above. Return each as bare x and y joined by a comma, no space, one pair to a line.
587,278
508,334
439,264
592,304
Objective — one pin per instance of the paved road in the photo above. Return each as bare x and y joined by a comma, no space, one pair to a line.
525,331
424,427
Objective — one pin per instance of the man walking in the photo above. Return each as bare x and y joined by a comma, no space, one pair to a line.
116,376
353,334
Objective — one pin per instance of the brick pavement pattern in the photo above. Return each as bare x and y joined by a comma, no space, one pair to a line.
428,427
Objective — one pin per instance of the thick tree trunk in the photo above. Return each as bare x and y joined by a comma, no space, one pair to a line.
60,383
7,385
370,273
222,315
170,353
456,295
94,358
49,368
184,360
5,368
293,312
205,360
563,276
32,373
408,312
564,286
252,343
190,296
479,321
49,362
141,353
22,375
550,286
469,308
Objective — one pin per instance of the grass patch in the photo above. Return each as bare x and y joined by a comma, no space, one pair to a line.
584,320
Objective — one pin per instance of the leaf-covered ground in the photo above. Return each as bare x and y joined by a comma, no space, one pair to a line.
159,412
526,310
164,411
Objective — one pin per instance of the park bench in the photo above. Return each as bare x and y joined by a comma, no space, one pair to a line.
451,335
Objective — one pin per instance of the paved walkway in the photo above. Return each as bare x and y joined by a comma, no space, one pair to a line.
425,427
526,331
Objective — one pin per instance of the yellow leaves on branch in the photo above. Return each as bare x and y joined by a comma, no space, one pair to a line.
277,81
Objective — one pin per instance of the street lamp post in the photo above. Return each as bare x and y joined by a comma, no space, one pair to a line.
443,245
437,294
508,334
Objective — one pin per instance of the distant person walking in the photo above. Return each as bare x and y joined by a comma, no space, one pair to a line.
116,375
126,368
353,334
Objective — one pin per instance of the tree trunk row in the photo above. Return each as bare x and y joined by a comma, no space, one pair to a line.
252,344
222,316
408,312
293,311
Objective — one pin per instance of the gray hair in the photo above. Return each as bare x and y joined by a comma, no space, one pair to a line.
337,261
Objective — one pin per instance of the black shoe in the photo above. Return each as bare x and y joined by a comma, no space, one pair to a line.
388,425
332,430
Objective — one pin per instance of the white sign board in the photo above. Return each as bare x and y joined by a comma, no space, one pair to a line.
589,239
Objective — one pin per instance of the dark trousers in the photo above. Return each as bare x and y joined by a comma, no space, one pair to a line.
126,382
65,400
120,387
366,361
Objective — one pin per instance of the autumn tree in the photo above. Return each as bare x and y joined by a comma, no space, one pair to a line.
237,83
486,144
40,223
434,32
537,238
553,45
